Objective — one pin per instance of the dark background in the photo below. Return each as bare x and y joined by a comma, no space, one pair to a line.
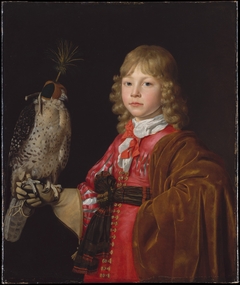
200,35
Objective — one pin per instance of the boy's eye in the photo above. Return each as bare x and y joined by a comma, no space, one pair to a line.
147,83
127,83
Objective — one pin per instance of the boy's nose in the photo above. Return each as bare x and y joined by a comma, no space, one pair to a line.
135,92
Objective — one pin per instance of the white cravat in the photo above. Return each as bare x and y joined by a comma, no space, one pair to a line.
141,129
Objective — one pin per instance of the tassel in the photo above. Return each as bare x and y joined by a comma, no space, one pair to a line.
73,256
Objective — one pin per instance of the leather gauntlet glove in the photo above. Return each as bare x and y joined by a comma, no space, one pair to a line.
68,208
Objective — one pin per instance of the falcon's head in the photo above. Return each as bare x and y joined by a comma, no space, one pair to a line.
54,90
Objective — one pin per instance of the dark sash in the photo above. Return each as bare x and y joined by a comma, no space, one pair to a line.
96,241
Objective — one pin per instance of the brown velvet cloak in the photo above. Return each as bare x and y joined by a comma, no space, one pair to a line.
187,232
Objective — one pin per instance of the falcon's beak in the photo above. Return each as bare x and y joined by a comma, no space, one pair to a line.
63,96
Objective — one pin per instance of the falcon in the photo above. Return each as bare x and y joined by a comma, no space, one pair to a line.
40,144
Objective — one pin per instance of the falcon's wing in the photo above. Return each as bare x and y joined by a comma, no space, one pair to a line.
21,132
64,151
14,221
65,123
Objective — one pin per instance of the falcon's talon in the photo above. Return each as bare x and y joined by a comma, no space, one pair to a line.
56,189
56,198
23,184
46,190
59,187
32,183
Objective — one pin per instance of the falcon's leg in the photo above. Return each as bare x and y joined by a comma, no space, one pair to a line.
56,189
32,183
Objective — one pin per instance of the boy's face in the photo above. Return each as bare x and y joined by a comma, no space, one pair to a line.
141,95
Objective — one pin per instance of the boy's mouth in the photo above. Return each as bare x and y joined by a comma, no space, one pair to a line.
135,104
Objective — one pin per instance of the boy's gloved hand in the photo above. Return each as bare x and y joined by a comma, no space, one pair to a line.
67,208
45,195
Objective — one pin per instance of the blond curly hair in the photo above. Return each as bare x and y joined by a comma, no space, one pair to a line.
157,62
